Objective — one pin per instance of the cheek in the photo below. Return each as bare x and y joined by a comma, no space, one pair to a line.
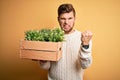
61,23
72,22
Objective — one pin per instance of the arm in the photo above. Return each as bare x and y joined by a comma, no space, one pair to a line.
85,56
85,52
44,64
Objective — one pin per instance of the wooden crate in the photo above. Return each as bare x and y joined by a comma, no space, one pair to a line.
40,50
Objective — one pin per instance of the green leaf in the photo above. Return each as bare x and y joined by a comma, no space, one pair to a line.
49,35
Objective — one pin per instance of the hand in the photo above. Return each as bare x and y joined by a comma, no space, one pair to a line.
86,37
43,61
34,60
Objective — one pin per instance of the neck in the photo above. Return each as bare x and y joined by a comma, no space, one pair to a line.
69,32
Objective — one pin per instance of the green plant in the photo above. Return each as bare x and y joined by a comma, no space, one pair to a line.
50,35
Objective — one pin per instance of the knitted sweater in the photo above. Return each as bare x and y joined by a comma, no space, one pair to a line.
73,62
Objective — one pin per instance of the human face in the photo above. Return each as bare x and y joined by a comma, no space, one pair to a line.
66,21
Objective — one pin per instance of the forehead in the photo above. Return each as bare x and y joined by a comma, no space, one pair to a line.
67,15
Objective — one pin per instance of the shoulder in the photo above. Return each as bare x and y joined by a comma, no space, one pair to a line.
77,32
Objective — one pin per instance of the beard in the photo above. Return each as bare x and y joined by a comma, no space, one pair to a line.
67,31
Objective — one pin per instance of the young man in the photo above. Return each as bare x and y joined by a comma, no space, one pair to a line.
76,50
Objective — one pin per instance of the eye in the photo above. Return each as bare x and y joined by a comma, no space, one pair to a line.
70,18
62,18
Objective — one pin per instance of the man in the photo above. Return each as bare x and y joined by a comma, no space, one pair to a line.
76,50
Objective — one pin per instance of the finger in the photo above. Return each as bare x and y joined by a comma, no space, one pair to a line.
89,33
86,34
83,34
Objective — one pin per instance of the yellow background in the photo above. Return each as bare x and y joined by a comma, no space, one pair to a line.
102,17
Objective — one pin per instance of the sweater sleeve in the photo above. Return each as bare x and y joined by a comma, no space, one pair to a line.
85,56
45,65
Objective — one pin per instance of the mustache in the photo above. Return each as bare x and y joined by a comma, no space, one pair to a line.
66,24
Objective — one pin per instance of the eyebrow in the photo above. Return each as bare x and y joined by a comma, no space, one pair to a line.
65,18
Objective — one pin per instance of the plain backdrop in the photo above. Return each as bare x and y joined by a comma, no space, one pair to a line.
102,17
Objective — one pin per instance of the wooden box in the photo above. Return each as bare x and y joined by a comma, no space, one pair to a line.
39,50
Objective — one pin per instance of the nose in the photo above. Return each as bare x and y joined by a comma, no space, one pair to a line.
66,21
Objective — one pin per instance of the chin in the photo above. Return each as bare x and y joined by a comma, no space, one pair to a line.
68,31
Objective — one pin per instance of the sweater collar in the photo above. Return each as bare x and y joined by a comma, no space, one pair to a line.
71,34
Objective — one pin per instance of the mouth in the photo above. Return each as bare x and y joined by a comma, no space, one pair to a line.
66,26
